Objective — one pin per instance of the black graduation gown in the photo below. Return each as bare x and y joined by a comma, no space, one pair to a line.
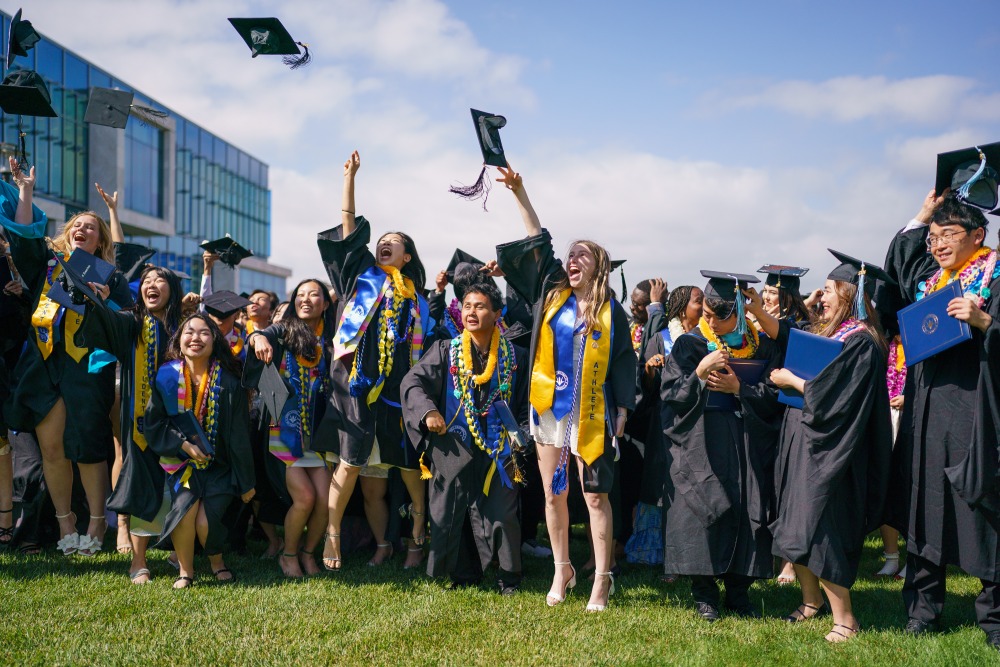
456,490
833,463
530,267
349,427
139,490
229,475
946,493
718,495
41,382
655,462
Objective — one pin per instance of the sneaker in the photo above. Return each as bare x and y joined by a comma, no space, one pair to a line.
916,627
535,550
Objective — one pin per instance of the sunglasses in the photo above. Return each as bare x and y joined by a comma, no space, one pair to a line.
976,183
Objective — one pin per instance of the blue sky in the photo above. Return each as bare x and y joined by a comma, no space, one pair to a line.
683,136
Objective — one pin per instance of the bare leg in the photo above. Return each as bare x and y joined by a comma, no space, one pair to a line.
183,537
845,624
303,500
557,523
601,528
319,479
377,512
890,547
341,486
787,575
417,489
812,596
56,468
94,477
139,548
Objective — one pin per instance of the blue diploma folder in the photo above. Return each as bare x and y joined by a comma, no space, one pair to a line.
193,433
926,328
748,371
807,356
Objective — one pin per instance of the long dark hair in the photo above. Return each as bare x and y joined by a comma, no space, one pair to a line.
172,313
414,269
299,337
792,306
220,346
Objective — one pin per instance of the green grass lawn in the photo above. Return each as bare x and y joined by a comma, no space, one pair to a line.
58,610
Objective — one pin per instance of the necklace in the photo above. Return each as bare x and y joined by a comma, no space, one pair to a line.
748,348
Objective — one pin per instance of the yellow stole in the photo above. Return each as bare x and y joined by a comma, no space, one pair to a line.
142,380
44,318
596,359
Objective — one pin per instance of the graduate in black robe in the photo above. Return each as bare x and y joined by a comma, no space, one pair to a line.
473,496
583,383
946,498
832,469
203,379
382,319
720,481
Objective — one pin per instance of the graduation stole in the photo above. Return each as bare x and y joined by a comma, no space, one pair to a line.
403,319
748,348
974,276
896,377
292,433
145,358
460,401
173,381
551,388
46,318
237,340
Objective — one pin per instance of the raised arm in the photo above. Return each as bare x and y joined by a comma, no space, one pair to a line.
512,181
117,235
26,189
768,322
348,209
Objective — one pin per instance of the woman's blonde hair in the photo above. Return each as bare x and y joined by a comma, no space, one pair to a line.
598,291
846,292
105,248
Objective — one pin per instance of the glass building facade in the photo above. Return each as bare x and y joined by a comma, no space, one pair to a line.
181,183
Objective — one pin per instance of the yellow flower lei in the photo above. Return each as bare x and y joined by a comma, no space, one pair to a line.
491,363
946,276
751,336
305,363
402,289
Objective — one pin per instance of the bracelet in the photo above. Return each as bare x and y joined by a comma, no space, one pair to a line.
344,210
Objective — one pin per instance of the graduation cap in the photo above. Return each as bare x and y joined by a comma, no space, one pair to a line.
22,38
71,287
273,390
859,273
459,258
224,303
267,36
783,277
112,108
229,251
488,133
728,287
24,93
972,175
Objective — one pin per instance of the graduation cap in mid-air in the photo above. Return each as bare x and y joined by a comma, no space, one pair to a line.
71,287
224,303
23,93
783,277
462,270
267,36
113,108
22,38
488,134
972,174
229,251
861,274
729,287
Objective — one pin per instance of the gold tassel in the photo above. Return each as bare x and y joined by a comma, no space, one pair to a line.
518,476
425,472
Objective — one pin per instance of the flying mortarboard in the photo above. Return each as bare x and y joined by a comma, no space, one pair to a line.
224,303
488,133
783,277
728,287
24,93
459,258
22,38
113,107
972,174
857,272
71,287
267,36
229,251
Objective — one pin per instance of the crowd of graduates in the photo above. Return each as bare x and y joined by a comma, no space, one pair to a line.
674,429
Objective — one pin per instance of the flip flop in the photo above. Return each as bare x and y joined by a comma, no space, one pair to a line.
141,572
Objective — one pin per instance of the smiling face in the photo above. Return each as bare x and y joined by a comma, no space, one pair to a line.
953,244
719,326
85,234
309,302
196,339
155,292
478,313
580,265
830,301
391,250
770,295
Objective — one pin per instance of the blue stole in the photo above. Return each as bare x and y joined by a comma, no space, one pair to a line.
668,341
563,327
290,424
455,417
368,292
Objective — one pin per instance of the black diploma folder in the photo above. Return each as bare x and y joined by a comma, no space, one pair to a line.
807,356
193,433
748,371
926,328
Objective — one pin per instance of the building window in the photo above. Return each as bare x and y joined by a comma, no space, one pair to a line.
144,169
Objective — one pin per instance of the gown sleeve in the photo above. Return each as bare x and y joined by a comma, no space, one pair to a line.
622,368
681,390
238,438
252,366
908,263
530,266
105,329
421,389
762,398
522,386
346,258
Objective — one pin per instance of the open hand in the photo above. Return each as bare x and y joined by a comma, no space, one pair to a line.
352,165
510,178
110,200
491,268
21,180
657,290
931,203
102,291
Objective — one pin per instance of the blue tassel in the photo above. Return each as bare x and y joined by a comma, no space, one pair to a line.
860,309
360,385
741,316
559,481
963,191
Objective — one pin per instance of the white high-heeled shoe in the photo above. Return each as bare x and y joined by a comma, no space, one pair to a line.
69,544
611,591
553,598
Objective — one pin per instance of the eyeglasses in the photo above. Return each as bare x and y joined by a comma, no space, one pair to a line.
946,239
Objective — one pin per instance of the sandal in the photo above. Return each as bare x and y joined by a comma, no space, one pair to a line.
817,611
295,559
141,572
188,582
379,547
307,561
69,544
223,570
91,545
331,564
273,553
7,534
553,598
611,591
842,637
29,549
